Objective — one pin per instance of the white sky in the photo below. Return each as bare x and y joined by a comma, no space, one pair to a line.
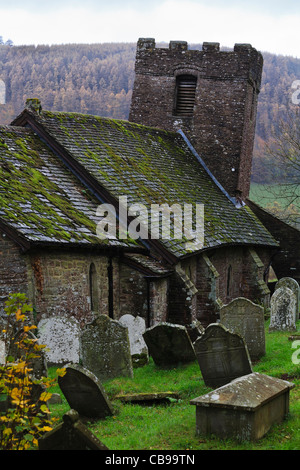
269,25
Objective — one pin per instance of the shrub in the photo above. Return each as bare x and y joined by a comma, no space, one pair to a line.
25,415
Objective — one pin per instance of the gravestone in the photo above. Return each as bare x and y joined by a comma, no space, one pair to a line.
84,392
244,409
283,307
71,434
105,349
222,356
247,319
61,336
138,348
294,286
169,344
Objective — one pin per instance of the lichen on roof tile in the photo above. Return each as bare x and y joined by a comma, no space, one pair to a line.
152,166
39,197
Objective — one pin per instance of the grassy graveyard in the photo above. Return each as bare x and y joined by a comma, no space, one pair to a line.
171,425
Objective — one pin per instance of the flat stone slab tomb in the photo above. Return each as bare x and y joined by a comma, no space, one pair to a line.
244,409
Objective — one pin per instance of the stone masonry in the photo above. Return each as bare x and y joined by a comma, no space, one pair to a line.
222,125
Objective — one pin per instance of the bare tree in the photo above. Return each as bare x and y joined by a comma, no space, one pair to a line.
283,150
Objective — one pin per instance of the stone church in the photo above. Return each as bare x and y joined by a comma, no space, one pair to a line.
188,141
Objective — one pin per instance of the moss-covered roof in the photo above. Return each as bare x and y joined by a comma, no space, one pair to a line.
40,199
151,166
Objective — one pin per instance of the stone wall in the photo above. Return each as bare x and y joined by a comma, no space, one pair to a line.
133,293
158,301
62,284
226,274
13,269
222,125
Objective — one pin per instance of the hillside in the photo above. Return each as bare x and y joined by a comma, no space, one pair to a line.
98,79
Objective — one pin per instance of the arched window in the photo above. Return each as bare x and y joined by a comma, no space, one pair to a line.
94,288
185,95
229,280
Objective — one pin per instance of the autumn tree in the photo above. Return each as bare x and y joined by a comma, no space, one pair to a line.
24,413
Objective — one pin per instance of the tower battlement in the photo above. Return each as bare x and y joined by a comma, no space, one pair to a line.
210,94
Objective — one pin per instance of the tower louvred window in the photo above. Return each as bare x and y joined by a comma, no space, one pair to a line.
185,98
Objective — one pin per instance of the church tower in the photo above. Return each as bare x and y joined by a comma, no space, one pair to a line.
211,95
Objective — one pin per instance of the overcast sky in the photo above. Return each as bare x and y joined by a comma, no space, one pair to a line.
269,25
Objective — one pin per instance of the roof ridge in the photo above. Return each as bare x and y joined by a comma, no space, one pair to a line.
107,119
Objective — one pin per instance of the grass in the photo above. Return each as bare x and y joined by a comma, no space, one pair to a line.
172,426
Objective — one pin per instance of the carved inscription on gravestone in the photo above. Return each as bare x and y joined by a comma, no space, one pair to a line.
294,286
222,356
247,319
105,349
283,307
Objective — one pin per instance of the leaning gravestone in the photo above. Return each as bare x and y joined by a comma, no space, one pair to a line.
283,306
294,286
71,434
247,319
169,344
61,336
138,348
84,392
222,356
105,348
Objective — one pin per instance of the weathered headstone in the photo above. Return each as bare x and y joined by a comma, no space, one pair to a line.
283,306
244,409
222,356
169,344
247,319
138,348
71,434
294,286
105,348
84,392
61,336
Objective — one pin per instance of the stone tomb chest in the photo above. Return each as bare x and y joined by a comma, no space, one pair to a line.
243,409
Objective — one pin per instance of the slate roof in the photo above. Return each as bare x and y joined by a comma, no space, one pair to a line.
41,202
147,165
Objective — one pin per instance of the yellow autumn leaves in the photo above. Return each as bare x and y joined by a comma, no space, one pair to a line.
26,416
